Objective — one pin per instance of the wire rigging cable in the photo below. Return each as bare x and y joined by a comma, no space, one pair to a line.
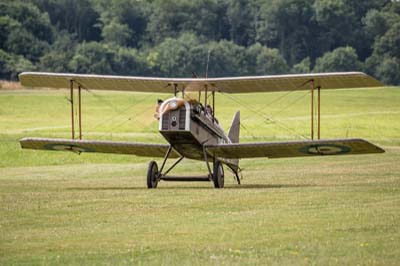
111,119
267,118
274,101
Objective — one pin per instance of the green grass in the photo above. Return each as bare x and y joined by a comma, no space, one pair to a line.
94,209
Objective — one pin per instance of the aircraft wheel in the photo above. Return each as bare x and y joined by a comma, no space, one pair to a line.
218,175
152,175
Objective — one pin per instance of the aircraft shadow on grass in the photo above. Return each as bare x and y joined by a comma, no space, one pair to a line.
243,186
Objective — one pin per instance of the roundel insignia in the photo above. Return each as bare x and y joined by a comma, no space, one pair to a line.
325,149
64,147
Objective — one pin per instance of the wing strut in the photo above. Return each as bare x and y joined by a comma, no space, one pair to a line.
313,110
319,112
71,86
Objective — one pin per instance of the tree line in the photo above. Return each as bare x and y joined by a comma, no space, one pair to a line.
182,38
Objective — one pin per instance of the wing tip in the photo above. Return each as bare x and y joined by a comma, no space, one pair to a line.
376,148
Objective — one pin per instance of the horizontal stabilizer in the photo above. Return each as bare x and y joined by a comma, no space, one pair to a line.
116,147
293,148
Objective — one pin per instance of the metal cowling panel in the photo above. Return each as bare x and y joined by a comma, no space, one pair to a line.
182,118
165,121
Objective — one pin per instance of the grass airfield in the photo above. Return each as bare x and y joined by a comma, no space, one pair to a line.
95,209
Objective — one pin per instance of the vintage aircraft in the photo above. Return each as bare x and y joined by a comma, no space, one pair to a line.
190,126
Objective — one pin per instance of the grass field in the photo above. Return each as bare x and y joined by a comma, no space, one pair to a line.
94,209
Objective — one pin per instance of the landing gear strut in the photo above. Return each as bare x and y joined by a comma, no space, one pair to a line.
154,175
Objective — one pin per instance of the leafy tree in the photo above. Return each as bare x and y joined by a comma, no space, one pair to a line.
176,37
60,54
92,57
242,17
128,61
289,25
129,19
19,41
170,18
11,65
385,61
179,57
389,43
262,60
226,59
303,67
24,29
388,71
76,16
375,23
5,58
116,33
341,22
30,18
340,59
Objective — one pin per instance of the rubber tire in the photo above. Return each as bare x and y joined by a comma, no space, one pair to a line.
152,175
218,175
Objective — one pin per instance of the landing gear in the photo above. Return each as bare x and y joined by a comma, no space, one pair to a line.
218,175
152,175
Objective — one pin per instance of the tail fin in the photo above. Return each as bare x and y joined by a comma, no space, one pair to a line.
233,135
234,131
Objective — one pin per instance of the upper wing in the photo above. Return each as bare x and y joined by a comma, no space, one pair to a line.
293,148
139,149
226,85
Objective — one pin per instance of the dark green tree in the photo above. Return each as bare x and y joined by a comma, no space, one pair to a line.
388,71
61,53
289,25
116,33
179,57
11,65
385,60
262,60
340,59
170,18
128,61
226,59
242,18
125,21
341,22
24,30
76,16
303,67
92,58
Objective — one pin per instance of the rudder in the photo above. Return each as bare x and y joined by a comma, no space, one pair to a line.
233,135
234,130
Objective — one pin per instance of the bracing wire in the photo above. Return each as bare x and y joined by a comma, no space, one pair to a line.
291,103
248,131
270,119
274,101
101,99
121,112
130,119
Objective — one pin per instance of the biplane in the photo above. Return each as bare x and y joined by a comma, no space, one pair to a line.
191,127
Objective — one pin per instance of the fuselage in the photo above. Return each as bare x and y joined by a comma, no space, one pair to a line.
188,127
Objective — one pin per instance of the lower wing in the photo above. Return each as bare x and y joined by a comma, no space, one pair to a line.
293,148
116,147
